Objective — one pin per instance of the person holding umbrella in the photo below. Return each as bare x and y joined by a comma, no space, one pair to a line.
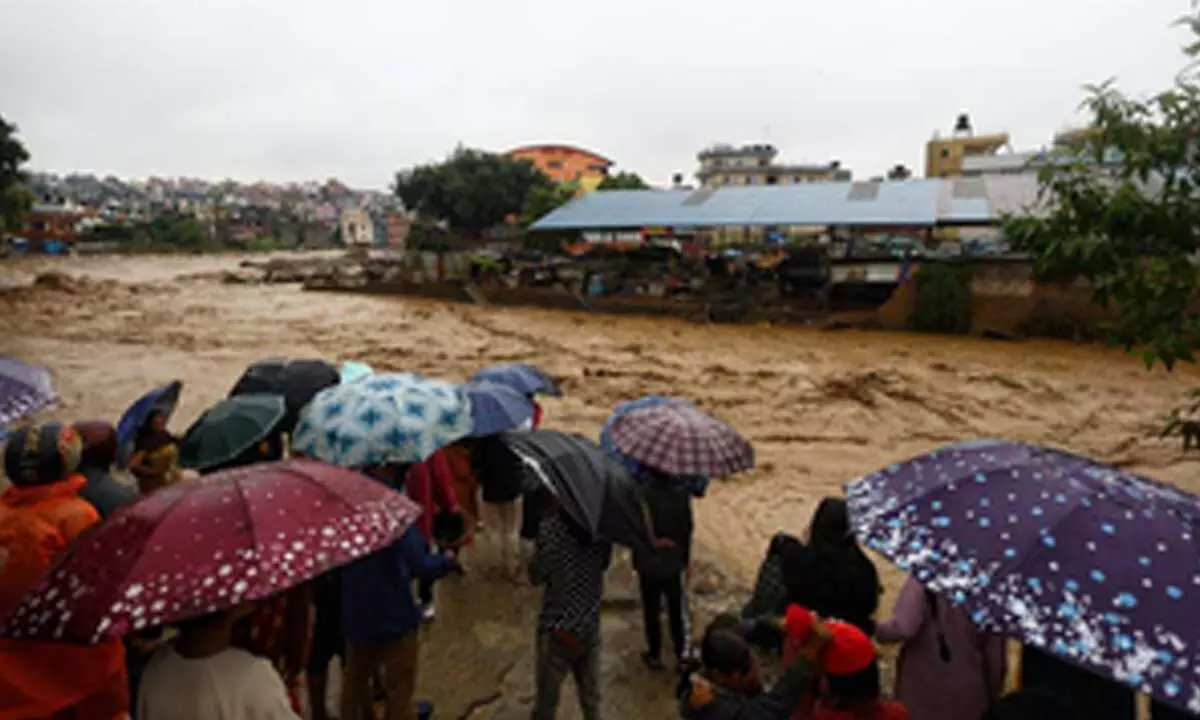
672,442
383,424
149,450
593,503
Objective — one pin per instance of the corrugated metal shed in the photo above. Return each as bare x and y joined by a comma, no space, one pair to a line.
918,203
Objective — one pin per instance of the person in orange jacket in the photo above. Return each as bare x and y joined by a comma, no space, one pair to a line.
41,513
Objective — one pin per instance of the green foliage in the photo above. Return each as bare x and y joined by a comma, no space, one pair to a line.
544,199
166,233
943,299
263,244
1131,229
623,181
471,190
14,198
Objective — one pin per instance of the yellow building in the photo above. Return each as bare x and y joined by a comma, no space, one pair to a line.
944,155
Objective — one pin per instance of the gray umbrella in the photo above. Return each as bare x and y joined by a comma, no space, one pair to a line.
592,487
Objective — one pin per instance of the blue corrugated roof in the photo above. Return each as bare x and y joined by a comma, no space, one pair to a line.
923,202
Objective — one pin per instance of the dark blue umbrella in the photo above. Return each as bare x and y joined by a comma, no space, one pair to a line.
694,484
496,408
24,389
525,379
163,399
1094,565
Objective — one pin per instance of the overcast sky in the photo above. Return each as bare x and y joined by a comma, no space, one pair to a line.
305,89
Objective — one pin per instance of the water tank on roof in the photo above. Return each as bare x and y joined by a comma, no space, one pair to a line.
962,125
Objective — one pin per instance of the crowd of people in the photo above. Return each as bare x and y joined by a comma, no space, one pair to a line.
814,607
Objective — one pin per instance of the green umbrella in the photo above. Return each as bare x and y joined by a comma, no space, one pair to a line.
230,428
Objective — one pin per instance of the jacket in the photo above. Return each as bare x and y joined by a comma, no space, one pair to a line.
671,519
377,601
709,702
431,485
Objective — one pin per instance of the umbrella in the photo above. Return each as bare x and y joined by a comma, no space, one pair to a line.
207,544
230,428
680,439
24,389
496,408
594,489
386,418
352,370
525,379
1080,559
297,381
694,484
162,399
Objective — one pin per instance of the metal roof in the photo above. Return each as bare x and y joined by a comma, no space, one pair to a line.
921,202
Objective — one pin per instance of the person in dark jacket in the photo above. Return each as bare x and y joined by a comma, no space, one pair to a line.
662,570
831,575
99,455
729,687
1090,696
380,618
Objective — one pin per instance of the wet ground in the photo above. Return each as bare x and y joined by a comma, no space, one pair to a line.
821,408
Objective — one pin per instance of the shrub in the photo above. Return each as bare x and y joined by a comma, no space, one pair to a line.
943,299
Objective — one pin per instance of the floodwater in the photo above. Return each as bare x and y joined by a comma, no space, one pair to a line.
820,407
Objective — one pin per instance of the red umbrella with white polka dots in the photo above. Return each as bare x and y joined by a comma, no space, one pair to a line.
209,544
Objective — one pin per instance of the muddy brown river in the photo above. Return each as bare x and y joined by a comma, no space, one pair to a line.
821,407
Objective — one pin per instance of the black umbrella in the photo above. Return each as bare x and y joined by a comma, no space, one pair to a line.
592,487
297,381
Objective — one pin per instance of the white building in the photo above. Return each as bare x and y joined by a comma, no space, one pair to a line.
357,227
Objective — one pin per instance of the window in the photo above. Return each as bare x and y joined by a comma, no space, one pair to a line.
945,153
555,165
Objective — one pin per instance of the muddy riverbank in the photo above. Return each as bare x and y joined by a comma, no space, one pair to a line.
821,407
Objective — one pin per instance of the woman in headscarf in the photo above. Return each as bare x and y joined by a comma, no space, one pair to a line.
831,575
155,459
99,454
41,513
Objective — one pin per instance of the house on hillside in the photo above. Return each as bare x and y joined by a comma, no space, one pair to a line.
357,228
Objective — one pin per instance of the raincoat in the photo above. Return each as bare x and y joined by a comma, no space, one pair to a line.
41,679
951,677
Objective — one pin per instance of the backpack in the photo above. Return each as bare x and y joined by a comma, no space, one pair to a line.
29,545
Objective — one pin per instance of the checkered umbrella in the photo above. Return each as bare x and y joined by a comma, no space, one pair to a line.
680,439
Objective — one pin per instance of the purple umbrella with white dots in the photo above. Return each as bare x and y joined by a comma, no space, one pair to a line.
1095,565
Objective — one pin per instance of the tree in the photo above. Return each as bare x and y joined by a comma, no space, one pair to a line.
1131,228
471,190
623,181
544,199
15,199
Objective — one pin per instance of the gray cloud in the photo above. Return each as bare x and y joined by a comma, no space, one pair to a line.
300,89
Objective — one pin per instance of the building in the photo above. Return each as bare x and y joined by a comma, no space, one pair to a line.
722,165
357,227
1068,146
60,221
566,163
944,156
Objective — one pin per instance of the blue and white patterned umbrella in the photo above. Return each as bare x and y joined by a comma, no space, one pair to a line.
387,418
525,379
496,408
353,370
24,389
695,484
1092,564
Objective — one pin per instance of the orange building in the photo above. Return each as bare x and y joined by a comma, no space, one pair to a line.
566,163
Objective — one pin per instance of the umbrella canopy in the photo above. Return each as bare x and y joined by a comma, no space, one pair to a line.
525,379
24,389
1096,566
594,489
297,381
679,439
162,399
207,544
694,484
389,418
230,428
496,408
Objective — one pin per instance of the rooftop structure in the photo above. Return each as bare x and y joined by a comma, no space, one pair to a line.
755,164
909,203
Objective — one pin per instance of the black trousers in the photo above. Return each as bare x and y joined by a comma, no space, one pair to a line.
654,591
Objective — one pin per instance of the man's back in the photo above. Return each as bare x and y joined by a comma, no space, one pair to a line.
572,571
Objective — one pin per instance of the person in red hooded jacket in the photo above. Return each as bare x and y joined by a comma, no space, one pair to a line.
431,485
